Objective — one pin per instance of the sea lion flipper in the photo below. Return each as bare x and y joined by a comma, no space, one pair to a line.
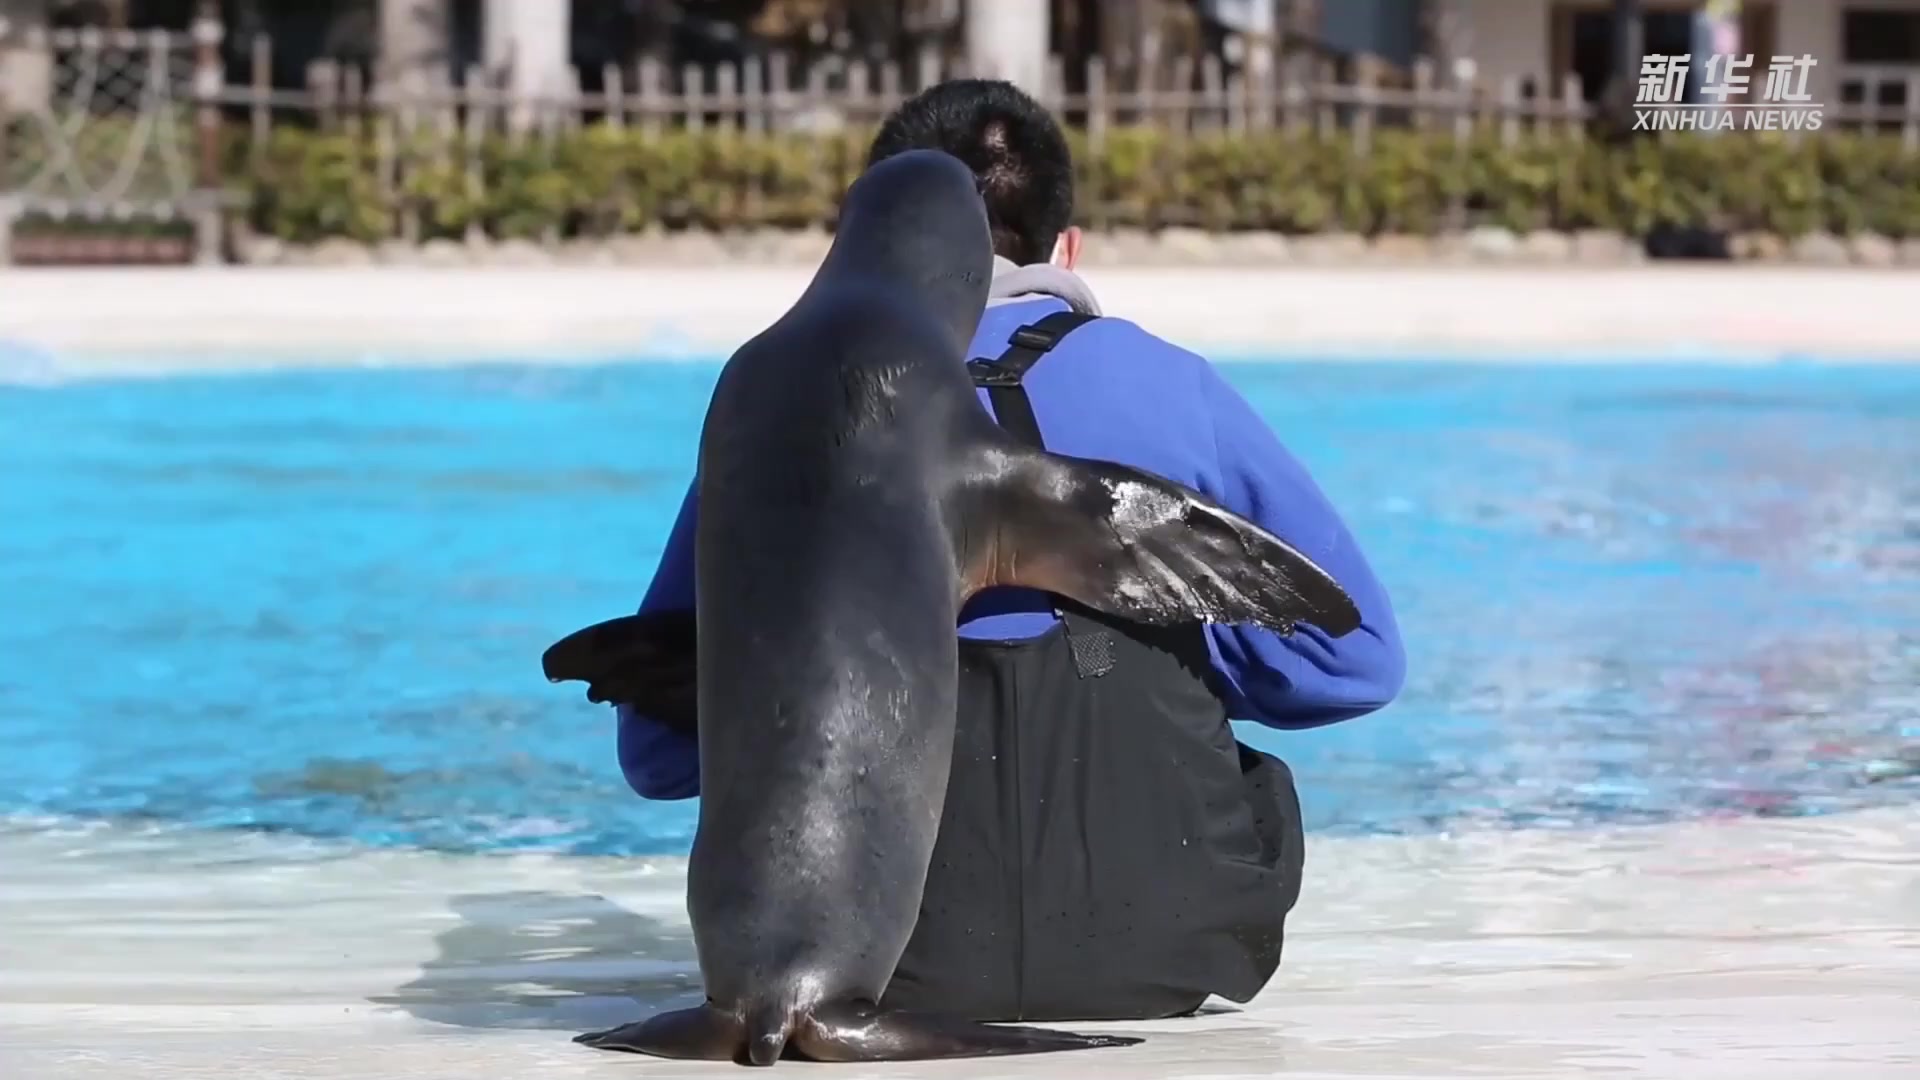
702,1033
850,1033
1140,546
648,661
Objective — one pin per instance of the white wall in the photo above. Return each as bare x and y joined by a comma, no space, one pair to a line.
535,37
1007,39
26,78
1812,27
1503,37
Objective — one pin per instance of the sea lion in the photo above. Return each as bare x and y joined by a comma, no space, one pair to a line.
852,494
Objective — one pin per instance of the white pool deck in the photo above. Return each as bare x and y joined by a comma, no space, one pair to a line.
101,321
1746,949
1741,949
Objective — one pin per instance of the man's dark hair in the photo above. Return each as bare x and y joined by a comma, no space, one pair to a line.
1012,144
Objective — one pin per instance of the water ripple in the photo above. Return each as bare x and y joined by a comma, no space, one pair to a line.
313,603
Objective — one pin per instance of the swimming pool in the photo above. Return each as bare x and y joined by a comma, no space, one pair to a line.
315,601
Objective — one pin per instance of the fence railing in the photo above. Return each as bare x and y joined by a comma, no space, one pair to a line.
771,96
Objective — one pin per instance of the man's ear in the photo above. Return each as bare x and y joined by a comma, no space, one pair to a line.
1066,249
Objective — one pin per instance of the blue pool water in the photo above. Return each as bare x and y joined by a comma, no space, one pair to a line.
315,602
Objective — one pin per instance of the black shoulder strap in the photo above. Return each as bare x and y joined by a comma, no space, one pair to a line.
1004,380
1003,377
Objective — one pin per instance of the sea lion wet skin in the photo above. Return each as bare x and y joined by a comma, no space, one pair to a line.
852,494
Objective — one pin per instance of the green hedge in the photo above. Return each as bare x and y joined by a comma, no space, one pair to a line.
306,185
598,182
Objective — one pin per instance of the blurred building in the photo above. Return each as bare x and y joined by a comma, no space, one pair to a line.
538,44
1863,49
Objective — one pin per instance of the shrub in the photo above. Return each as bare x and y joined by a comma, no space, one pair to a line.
305,185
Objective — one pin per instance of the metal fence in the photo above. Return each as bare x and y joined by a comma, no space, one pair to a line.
104,126
112,126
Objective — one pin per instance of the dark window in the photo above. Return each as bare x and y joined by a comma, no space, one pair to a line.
1662,33
1869,36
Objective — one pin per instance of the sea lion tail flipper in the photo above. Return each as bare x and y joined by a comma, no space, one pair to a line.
648,661
702,1033
859,1032
1136,545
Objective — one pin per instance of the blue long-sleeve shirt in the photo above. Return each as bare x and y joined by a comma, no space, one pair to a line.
1111,390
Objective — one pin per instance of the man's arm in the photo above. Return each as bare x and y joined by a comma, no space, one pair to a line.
1306,679
658,761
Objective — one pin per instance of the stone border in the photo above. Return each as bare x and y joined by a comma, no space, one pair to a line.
1123,248
60,323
